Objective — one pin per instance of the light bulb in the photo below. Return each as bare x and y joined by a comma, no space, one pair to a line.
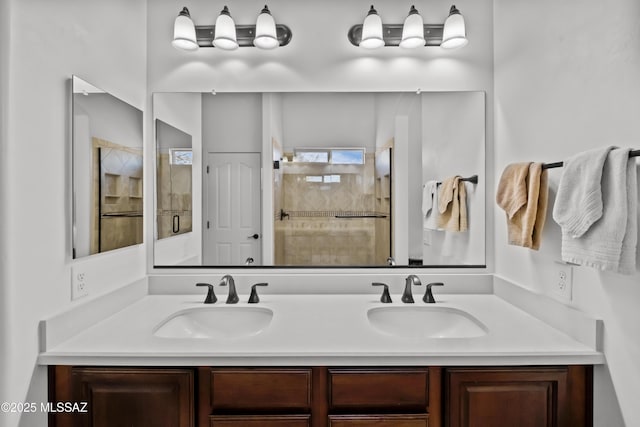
413,30
454,33
225,31
372,31
266,35
184,32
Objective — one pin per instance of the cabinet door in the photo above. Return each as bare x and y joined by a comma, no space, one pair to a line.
523,397
134,397
260,421
386,420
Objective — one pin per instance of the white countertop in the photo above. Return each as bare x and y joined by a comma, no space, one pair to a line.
320,330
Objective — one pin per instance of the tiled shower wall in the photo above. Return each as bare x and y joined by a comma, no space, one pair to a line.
312,235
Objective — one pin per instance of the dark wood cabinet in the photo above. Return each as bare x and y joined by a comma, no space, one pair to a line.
259,389
124,397
260,397
383,420
363,390
260,421
546,396
382,397
524,397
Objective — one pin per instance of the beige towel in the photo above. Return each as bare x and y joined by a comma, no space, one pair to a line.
452,205
512,189
523,194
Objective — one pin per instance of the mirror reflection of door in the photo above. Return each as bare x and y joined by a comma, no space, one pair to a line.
232,221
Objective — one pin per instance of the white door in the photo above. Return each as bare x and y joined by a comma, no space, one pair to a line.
232,220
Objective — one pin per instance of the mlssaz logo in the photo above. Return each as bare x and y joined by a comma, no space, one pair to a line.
64,407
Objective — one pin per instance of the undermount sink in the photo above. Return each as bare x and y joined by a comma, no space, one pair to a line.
215,322
425,322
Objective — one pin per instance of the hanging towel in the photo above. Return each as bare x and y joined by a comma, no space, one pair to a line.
452,205
630,241
429,201
601,245
579,199
512,188
523,195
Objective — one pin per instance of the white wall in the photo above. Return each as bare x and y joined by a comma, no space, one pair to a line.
183,111
566,80
50,41
272,140
329,120
5,26
232,123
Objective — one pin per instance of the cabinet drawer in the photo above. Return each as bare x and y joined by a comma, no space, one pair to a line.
396,389
260,389
260,421
379,420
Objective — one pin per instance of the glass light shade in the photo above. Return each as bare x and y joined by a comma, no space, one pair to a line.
454,33
372,31
413,30
184,32
225,32
266,35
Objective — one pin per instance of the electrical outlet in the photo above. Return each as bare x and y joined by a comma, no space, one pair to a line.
562,282
79,287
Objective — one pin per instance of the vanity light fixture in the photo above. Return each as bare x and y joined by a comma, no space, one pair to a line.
413,33
225,34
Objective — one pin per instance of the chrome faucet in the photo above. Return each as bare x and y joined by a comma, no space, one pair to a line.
407,296
232,297
248,261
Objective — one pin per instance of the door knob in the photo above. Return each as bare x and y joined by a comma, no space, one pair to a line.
254,236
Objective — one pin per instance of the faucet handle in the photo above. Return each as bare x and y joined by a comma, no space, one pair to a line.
385,297
211,296
428,295
254,298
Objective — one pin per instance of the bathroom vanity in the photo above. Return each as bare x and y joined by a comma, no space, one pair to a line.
321,360
325,396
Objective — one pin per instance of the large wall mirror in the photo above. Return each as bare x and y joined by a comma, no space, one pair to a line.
107,171
330,179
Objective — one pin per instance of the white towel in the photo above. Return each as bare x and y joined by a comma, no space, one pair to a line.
601,245
579,199
630,241
429,200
